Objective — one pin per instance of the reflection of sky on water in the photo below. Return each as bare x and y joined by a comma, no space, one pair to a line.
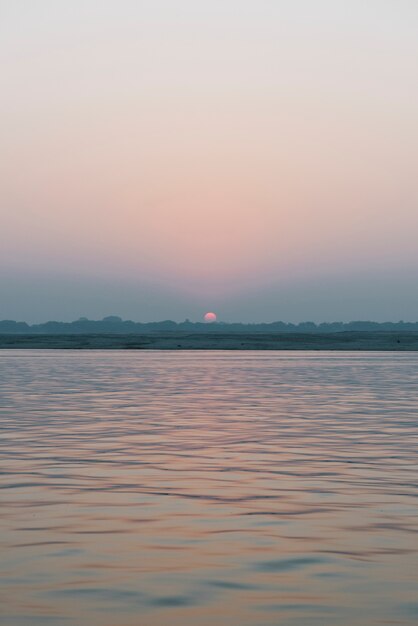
186,488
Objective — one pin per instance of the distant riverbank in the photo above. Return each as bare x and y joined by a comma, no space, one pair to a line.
381,341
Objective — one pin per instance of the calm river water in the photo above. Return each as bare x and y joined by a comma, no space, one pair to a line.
208,488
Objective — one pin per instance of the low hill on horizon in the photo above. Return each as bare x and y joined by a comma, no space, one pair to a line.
116,325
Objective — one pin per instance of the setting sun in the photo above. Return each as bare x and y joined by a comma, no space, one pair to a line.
210,317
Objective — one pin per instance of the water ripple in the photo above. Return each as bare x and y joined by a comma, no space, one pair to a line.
199,488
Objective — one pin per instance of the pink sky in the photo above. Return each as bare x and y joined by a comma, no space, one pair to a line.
212,148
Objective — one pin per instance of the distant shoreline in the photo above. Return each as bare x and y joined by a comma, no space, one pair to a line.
343,341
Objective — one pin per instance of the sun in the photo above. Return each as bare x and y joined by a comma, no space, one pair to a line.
210,317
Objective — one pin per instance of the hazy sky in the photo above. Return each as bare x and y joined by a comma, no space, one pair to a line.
160,158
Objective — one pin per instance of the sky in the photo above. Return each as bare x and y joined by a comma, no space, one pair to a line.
163,158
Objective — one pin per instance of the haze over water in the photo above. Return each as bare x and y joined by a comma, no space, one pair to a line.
229,488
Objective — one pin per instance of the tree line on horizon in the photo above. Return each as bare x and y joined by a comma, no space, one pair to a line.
115,324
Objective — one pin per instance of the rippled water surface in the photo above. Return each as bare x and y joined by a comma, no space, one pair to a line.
200,488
